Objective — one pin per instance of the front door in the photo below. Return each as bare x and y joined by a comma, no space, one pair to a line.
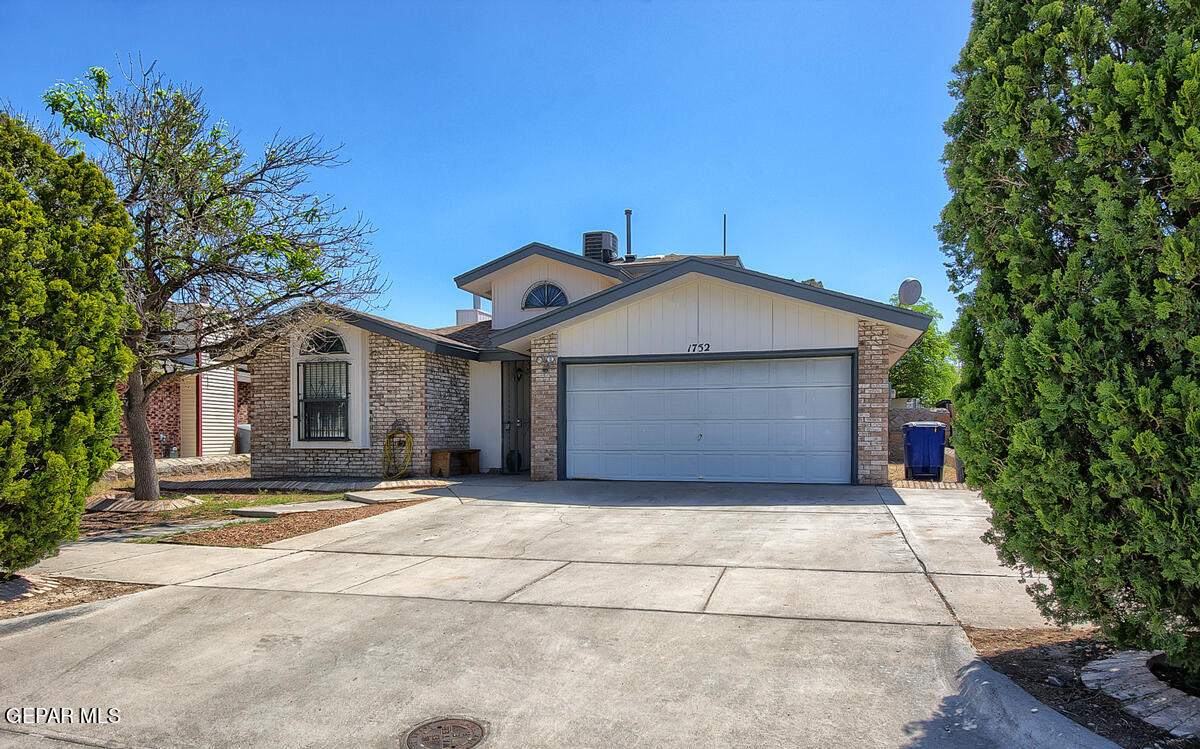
514,404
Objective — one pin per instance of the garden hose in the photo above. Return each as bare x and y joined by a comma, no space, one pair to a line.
397,453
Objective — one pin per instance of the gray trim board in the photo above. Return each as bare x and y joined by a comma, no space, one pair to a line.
717,356
404,335
546,251
762,281
501,355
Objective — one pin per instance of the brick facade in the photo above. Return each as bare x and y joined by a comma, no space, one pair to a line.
162,416
872,396
244,391
425,394
543,406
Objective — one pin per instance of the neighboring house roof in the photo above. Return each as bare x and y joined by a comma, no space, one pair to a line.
422,338
650,263
471,342
477,334
539,249
786,287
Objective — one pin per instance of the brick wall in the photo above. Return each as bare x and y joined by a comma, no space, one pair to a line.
543,406
872,403
162,416
244,389
897,417
425,394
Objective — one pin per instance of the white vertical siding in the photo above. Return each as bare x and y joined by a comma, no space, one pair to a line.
187,417
509,287
217,411
701,310
485,415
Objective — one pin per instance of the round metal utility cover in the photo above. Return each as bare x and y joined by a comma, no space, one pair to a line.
445,733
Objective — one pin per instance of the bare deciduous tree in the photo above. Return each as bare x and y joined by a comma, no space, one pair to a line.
232,253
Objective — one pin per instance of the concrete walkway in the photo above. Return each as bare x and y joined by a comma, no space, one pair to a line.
565,614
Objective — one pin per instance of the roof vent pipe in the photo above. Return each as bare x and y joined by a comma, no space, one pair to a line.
629,256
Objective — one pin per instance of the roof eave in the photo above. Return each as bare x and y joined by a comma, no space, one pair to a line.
537,248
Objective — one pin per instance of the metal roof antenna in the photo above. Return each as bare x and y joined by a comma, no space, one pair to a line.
629,256
724,233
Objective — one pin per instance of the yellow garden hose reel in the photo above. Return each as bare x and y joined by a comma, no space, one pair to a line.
397,454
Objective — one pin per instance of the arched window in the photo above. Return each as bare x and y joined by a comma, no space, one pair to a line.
323,389
543,296
323,342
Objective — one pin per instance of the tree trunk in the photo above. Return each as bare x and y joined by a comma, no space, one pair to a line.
141,443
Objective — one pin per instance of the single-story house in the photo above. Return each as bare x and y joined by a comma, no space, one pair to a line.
668,367
194,414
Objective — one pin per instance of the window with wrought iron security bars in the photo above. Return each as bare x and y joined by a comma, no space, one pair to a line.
324,400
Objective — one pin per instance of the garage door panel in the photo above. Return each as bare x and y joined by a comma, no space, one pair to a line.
829,403
744,420
648,436
718,373
717,434
752,372
681,435
715,404
752,403
829,431
829,371
680,466
586,435
758,435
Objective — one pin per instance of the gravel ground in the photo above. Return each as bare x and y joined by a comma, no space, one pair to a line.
247,535
1046,663
69,592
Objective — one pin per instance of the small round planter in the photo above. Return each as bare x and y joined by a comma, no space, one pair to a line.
1127,677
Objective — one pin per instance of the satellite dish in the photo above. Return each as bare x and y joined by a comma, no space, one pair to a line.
910,291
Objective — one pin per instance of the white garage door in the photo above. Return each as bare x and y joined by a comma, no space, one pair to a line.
779,420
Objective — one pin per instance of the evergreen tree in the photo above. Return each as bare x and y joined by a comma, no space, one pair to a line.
1071,234
62,308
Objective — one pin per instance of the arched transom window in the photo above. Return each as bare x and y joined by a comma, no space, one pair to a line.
545,295
323,342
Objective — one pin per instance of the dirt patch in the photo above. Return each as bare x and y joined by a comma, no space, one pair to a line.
1046,663
69,592
248,535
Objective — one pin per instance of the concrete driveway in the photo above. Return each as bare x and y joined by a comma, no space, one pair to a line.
572,614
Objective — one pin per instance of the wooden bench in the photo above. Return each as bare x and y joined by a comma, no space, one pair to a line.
443,460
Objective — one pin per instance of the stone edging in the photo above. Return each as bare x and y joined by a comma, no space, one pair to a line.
25,586
1016,717
124,502
1126,676
123,469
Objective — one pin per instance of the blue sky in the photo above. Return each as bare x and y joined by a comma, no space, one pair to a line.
475,128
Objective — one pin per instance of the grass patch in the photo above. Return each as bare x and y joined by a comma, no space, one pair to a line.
216,505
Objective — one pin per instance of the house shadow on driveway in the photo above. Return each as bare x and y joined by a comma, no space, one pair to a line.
660,494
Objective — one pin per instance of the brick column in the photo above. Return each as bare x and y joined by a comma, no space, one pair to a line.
543,406
872,403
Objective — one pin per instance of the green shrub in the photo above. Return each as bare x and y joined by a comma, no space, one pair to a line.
927,370
1071,232
62,233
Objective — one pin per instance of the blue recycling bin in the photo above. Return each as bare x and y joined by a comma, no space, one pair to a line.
924,449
